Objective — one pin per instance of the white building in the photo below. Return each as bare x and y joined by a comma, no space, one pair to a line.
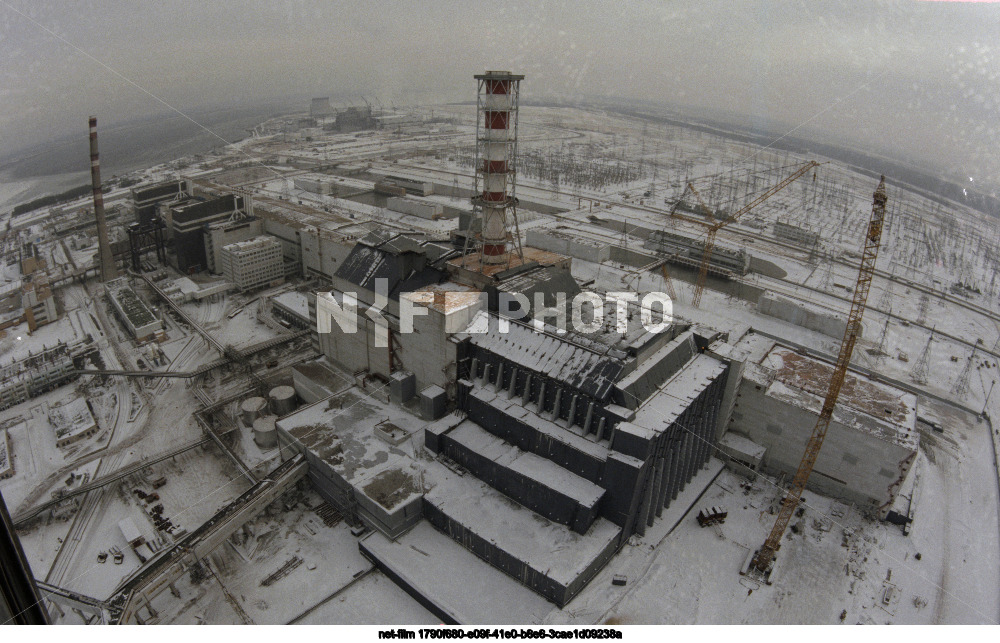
416,208
254,263
38,302
221,234
73,422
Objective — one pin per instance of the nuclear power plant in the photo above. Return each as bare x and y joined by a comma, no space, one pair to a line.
498,362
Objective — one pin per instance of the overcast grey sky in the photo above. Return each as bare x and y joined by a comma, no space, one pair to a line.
918,80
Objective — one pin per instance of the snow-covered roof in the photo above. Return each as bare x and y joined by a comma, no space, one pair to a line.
877,408
295,301
677,393
554,549
587,370
534,467
129,530
71,418
340,431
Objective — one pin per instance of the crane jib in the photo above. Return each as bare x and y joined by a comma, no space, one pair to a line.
765,555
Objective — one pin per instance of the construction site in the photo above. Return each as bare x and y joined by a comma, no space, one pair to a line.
319,374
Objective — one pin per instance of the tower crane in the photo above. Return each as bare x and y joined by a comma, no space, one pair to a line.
714,228
673,212
701,203
669,282
764,557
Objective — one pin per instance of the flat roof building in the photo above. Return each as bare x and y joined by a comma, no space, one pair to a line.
131,310
147,197
221,234
40,372
253,264
351,464
72,422
795,234
293,308
871,442
187,223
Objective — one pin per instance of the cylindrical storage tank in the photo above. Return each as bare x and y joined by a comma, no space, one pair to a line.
252,408
264,433
282,400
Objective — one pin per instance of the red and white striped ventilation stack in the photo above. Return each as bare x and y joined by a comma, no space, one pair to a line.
496,155
108,269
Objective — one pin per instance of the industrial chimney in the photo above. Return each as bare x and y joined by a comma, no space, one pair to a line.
495,165
108,270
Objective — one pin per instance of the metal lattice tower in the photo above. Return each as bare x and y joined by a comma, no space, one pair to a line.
494,197
714,227
827,283
925,302
885,302
880,350
961,388
919,373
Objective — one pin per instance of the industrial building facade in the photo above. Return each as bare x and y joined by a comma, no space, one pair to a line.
592,435
688,251
187,221
221,234
639,446
147,197
39,304
253,264
41,372
131,310
871,443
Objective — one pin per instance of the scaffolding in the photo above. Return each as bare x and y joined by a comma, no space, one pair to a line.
494,199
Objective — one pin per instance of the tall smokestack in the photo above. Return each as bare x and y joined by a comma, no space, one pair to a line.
108,270
496,157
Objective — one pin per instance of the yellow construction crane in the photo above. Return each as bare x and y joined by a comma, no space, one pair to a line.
668,281
701,204
673,213
764,557
714,227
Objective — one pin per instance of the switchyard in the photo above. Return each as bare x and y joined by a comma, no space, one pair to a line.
345,355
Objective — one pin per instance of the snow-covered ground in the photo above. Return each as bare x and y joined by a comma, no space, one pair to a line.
837,564
333,583
838,561
199,482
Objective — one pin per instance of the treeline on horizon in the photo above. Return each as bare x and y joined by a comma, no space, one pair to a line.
45,201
